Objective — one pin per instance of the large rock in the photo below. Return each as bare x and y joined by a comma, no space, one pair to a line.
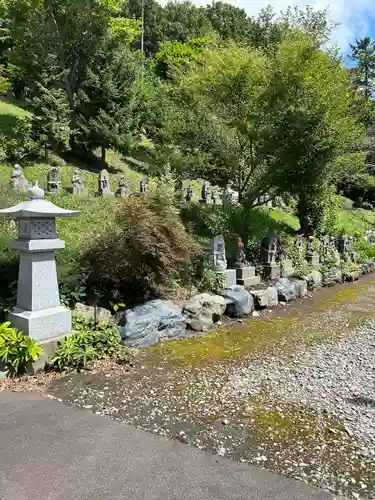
335,276
368,267
286,290
241,302
352,276
92,312
266,297
301,287
314,280
203,310
151,323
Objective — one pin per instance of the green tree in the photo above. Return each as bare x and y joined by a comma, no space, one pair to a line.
63,37
110,101
269,124
229,22
175,22
178,55
363,54
50,118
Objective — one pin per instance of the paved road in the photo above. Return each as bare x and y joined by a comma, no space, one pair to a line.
51,451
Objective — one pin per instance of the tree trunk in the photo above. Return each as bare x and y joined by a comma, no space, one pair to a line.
46,155
104,154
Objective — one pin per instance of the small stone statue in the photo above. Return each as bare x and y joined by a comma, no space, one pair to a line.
230,195
143,186
205,193
123,189
217,255
299,243
241,260
103,184
352,252
345,249
270,250
53,180
18,180
190,193
332,244
16,174
312,254
344,245
310,248
78,185
325,243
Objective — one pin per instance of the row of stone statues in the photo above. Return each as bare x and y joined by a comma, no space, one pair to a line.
316,249
273,255
54,185
209,195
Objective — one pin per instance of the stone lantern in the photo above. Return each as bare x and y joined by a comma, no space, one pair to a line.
38,312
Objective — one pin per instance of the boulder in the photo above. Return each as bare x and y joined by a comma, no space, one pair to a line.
286,290
368,267
353,276
93,313
314,280
203,310
335,276
240,302
301,287
266,297
151,323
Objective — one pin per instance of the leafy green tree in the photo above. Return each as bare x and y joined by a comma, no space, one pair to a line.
177,55
269,124
175,22
229,22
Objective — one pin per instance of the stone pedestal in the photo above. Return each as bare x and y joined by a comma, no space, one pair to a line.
38,312
246,276
313,259
287,269
230,277
271,271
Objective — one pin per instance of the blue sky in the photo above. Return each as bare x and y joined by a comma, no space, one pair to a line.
356,17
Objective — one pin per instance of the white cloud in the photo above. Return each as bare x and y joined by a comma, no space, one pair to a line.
353,15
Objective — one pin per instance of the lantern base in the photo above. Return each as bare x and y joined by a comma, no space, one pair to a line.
42,325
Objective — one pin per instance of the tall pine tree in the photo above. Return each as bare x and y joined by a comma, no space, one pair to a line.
363,54
109,105
50,114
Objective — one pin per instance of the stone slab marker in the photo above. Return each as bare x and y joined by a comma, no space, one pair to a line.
38,312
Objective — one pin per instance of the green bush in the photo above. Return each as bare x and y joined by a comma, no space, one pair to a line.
138,255
86,345
301,266
328,263
16,142
210,281
349,267
364,250
17,350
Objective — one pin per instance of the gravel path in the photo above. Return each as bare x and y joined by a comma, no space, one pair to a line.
305,408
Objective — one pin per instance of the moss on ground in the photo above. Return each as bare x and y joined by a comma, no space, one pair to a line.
263,335
289,431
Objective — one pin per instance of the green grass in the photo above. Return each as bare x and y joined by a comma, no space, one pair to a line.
11,109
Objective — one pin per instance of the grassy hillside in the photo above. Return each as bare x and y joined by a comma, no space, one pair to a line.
95,211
